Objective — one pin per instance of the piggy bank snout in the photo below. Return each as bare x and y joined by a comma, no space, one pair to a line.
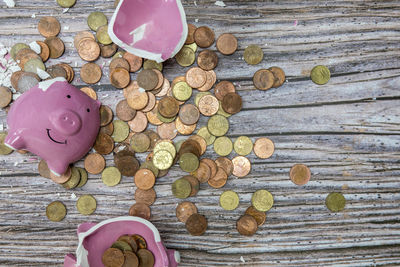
66,121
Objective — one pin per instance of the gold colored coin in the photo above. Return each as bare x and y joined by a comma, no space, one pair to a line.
73,181
151,64
16,48
182,91
218,125
223,146
86,204
253,54
263,148
111,176
102,35
162,160
165,145
207,136
56,211
243,145
188,162
121,131
181,188
320,75
262,200
4,150
185,57
140,142
84,177
229,200
96,20
66,3
192,46
335,202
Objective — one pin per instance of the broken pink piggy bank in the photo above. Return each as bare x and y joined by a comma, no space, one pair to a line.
94,239
152,29
55,121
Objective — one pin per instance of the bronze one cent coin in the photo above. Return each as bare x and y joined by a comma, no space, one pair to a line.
147,79
189,114
207,60
145,196
222,88
94,163
91,73
196,224
232,103
263,148
184,210
140,210
190,36
113,257
227,44
49,26
263,79
168,107
247,225
279,76
300,174
124,111
104,144
56,46
204,36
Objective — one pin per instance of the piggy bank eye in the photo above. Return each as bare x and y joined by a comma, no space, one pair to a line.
88,110
68,96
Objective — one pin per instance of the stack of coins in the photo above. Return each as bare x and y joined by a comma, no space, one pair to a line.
128,250
265,79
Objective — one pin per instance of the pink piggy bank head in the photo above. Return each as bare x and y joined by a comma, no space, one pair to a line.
55,121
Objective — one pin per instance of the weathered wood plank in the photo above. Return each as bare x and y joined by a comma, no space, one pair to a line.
347,132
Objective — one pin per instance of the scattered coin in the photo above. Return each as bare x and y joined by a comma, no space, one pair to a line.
300,174
259,216
163,160
246,225
56,211
66,3
121,245
107,51
208,105
262,200
88,49
138,123
140,210
151,64
190,36
146,258
55,45
182,91
335,201
140,142
185,57
73,181
194,183
204,36
263,148
102,35
229,200
124,111
106,115
219,179
120,77
104,144
82,35
218,125
84,177
5,96
60,179
144,179
241,166
196,224
227,44
243,145
113,257
253,55
167,130
195,77
96,20
279,76
184,210
43,169
111,176
181,188
135,62
320,74
145,196
86,204
188,162
168,107
232,103
263,79
207,136
223,146
147,79
207,60
49,26
91,73
211,78
94,163
119,62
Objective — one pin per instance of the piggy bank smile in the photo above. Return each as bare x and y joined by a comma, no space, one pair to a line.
55,121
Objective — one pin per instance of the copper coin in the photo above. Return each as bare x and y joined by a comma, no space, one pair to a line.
127,164
90,73
119,62
263,148
120,77
207,60
196,224
259,216
69,70
113,257
107,51
150,103
90,92
108,129
44,50
194,182
177,80
60,179
263,79
241,166
208,105
145,196
138,123
104,144
49,26
190,36
88,49
131,260
140,210
153,136
135,62
189,114
225,163
43,169
300,174
168,107
124,111
232,103
190,146
106,115
56,46
5,96
246,225
144,179
146,258
183,128
56,71
201,141
152,115
137,98
131,87
164,88
210,81
227,44
195,77
219,179
279,76
81,35
204,36
184,210
15,76
203,172
140,241
160,77
211,164
130,240
223,88
94,163
167,130
147,79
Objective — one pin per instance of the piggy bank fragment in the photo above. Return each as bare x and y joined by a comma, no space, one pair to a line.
55,121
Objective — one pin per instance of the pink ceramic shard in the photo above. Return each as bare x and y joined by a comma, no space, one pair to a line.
152,29
94,239
55,121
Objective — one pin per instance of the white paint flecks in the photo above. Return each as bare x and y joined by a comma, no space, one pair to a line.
46,84
42,74
242,259
220,3
35,47
9,3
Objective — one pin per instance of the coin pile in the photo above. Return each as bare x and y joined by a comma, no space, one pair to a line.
128,251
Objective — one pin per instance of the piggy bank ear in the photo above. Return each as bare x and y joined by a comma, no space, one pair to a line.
98,103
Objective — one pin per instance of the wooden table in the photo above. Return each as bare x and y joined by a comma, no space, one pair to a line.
347,132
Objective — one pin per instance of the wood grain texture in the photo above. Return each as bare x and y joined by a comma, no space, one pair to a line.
347,132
